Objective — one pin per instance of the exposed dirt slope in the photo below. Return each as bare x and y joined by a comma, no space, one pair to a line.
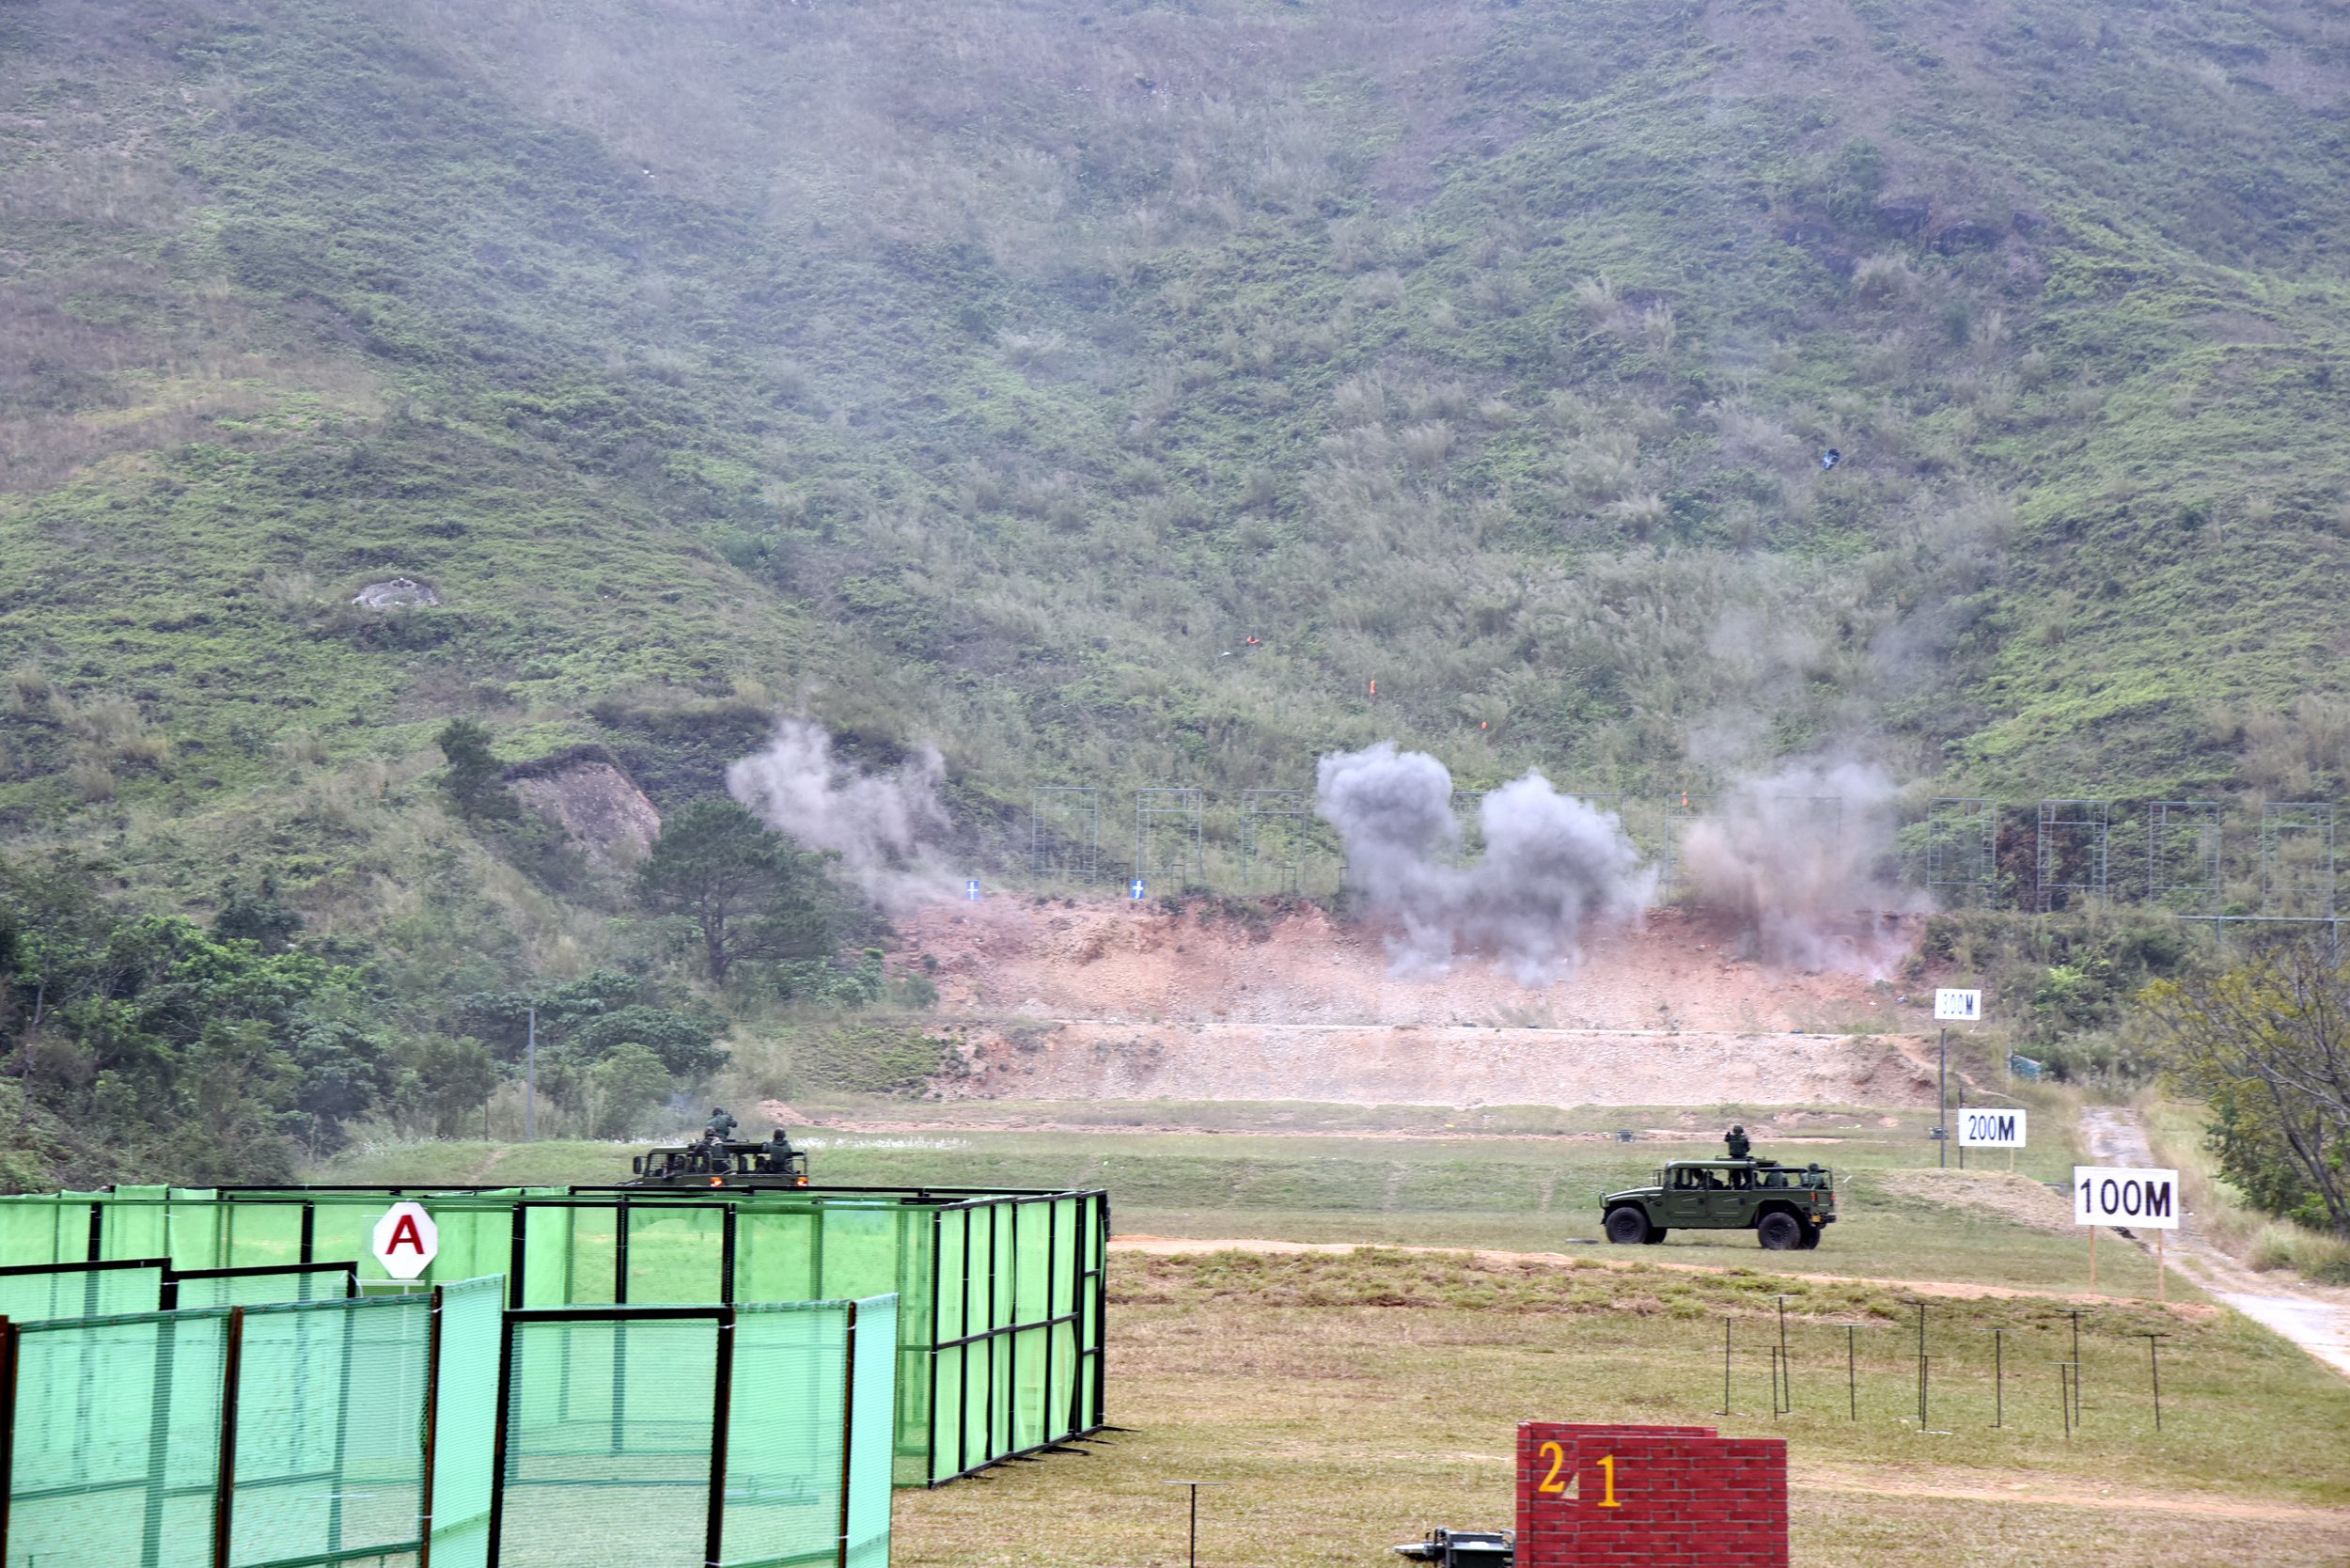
1107,1001
1140,963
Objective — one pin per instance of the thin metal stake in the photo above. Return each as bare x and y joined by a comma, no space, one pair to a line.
1786,1366
1725,1365
2153,1368
1194,1486
1852,1365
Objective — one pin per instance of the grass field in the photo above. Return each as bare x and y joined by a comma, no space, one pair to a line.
1307,1179
1351,1402
1351,1399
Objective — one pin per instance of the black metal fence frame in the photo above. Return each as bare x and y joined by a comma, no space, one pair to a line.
224,1476
722,1408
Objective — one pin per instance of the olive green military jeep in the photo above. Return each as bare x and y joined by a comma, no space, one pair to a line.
1785,1206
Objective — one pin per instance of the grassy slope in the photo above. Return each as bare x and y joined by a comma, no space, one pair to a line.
982,375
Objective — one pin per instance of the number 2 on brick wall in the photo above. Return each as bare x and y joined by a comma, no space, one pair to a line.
1554,1484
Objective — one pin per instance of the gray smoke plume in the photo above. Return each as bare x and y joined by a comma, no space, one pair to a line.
1551,865
876,823
1803,856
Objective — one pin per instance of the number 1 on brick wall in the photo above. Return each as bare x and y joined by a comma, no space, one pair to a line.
1555,1485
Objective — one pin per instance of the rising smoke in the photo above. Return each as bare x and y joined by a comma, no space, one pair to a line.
1802,856
877,825
1551,865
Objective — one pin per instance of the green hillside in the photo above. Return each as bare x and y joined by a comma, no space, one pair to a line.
990,374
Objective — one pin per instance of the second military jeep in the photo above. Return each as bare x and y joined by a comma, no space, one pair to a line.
1785,1206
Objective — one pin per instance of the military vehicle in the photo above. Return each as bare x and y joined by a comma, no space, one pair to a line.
1464,1548
1785,1206
713,1161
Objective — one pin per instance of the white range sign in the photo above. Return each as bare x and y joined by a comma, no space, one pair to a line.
406,1241
1990,1127
2116,1195
1957,1007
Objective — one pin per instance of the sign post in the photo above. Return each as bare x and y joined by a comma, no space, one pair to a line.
1950,1007
406,1241
2142,1200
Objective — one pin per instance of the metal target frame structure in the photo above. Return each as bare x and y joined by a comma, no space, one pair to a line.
1079,807
2284,824
1285,818
1681,808
2086,828
1169,815
1962,844
2202,825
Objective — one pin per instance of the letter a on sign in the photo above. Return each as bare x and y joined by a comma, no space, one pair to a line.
406,1241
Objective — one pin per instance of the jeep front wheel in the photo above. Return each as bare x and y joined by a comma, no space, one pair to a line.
1780,1233
1626,1225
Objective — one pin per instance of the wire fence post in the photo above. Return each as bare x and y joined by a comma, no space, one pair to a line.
722,1418
431,1429
231,1370
848,1430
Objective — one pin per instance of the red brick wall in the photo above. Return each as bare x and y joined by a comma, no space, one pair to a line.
1684,1497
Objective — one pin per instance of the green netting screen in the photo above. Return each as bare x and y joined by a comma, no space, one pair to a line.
1001,1314
261,1287
465,1417
31,1292
329,1440
672,1436
115,1441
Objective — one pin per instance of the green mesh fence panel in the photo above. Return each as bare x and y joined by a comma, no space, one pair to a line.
329,1457
609,1423
263,1287
465,1413
999,1321
116,1442
30,1295
677,1253
786,1440
872,1433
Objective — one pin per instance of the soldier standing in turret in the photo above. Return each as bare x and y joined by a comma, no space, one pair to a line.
1740,1145
720,1126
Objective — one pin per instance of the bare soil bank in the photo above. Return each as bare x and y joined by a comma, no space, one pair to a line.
1409,1065
1103,1000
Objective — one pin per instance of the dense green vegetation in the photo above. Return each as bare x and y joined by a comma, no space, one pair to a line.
993,374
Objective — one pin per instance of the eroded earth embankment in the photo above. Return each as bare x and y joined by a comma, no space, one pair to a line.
1093,1000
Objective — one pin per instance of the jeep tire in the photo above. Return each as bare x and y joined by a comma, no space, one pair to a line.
1626,1225
1656,1234
1780,1231
1811,1237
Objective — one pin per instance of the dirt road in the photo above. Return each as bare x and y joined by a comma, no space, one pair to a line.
2311,1316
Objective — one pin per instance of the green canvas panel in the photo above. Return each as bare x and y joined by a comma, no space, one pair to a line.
774,1253
137,1223
70,1292
254,1235
859,1250
593,1269
547,1255
953,1230
472,1313
676,1254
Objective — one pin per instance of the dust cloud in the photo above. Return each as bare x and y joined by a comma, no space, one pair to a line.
1795,854
1550,865
876,824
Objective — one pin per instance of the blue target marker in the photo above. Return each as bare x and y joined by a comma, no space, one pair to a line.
1134,889
971,889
